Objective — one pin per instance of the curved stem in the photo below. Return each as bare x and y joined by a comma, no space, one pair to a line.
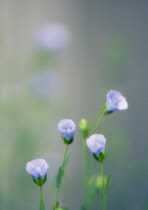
57,189
41,199
103,197
99,120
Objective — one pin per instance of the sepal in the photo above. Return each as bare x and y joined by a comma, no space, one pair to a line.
67,141
105,111
39,180
100,157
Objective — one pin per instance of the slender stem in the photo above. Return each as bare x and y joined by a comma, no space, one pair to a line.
99,120
41,199
85,166
103,197
65,152
57,189
56,195
85,160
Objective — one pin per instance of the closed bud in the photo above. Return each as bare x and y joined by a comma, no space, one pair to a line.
84,127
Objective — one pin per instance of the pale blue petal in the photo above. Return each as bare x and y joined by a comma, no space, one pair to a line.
96,143
67,128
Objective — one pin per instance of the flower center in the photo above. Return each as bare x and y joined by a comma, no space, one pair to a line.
38,168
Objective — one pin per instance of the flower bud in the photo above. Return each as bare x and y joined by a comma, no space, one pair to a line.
67,128
84,127
100,182
38,170
96,144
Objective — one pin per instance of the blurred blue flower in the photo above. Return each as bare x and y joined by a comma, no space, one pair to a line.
37,168
96,143
116,101
46,84
52,36
67,128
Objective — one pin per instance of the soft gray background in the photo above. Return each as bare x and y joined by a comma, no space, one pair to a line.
108,51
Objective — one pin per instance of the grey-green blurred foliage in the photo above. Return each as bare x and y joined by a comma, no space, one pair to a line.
108,50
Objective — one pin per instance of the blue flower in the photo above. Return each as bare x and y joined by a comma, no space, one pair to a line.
96,144
52,36
46,84
67,128
37,168
115,101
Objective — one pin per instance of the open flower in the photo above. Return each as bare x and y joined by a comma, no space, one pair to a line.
96,143
115,101
38,170
67,128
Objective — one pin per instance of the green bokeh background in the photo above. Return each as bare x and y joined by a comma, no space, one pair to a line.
108,50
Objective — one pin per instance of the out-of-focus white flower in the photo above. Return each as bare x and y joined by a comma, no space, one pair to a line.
52,36
46,84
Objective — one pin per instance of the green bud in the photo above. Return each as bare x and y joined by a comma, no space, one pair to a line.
84,127
39,180
100,157
100,182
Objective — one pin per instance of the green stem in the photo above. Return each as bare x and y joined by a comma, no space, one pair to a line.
85,166
103,197
65,152
57,189
99,120
85,161
41,199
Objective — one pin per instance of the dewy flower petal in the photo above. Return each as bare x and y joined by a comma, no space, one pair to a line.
67,128
96,143
37,168
116,101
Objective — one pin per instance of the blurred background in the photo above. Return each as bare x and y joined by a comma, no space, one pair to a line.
58,59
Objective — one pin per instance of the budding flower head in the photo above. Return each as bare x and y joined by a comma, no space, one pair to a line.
84,127
67,128
96,144
37,168
115,102
98,181
101,182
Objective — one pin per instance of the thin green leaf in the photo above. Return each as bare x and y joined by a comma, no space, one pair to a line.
59,177
61,171
107,183
66,161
